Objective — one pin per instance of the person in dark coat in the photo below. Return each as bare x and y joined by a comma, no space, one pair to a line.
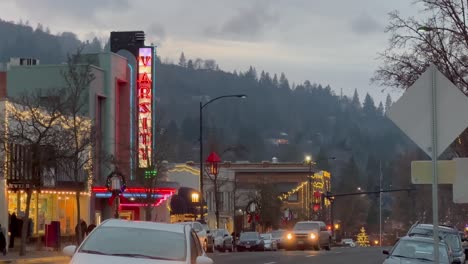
90,228
83,227
13,229
2,241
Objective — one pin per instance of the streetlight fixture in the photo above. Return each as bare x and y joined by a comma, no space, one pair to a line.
195,198
202,106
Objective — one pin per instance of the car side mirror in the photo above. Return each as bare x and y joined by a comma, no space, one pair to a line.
69,250
226,235
207,231
204,260
385,252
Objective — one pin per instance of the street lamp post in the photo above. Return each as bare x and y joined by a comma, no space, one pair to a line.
116,189
308,160
202,106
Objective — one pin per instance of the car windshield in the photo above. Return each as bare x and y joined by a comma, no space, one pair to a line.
219,233
277,234
419,250
249,235
452,239
137,242
306,226
266,236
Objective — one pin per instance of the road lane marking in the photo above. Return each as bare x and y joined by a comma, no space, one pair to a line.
270,263
310,256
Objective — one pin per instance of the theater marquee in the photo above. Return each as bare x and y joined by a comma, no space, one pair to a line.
145,110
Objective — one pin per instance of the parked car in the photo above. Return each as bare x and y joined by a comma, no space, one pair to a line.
206,240
448,233
209,237
279,236
348,242
416,249
308,234
251,241
270,243
223,240
120,241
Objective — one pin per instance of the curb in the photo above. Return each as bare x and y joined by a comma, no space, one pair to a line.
35,260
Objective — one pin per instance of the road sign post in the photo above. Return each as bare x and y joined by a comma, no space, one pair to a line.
433,132
435,182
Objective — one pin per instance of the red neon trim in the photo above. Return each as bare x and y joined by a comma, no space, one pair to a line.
158,202
99,189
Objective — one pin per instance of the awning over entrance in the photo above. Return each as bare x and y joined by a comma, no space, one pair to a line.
138,196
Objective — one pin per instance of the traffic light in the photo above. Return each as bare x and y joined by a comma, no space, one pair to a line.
329,228
316,207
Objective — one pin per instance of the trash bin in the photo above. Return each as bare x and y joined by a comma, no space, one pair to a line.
52,235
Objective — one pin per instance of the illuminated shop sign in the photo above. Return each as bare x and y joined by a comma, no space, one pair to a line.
145,94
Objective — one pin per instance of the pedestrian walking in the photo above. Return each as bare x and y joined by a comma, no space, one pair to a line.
13,229
3,240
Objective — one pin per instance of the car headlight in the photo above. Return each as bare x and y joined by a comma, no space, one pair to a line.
313,236
289,236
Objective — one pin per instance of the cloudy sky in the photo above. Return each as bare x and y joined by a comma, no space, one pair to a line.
331,42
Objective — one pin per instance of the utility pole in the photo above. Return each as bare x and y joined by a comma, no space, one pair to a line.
380,205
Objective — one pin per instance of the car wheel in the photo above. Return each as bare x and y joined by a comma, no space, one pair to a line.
212,248
205,246
328,246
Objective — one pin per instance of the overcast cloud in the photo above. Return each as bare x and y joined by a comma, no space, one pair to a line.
331,42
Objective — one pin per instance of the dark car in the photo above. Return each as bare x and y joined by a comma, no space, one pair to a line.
251,241
415,249
448,233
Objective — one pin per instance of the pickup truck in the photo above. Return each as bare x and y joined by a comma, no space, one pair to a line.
308,234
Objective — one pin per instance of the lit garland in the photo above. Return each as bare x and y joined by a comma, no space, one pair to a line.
319,184
285,196
185,168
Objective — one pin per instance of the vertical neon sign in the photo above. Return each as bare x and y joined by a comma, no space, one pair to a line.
145,111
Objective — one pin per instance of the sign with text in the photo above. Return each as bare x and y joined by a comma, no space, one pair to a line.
145,109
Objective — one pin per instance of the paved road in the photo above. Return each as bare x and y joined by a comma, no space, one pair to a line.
335,256
371,255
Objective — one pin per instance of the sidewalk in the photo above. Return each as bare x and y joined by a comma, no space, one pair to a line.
34,256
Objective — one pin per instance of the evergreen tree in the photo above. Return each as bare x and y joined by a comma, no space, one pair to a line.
283,82
356,103
322,160
275,81
380,109
388,102
190,64
368,105
251,74
182,60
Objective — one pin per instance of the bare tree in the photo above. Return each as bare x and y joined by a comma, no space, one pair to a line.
32,122
439,36
75,141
